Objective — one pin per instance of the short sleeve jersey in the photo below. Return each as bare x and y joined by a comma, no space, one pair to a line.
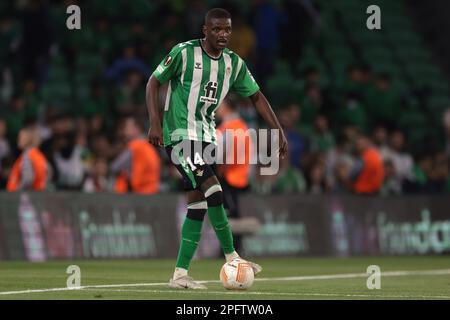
197,85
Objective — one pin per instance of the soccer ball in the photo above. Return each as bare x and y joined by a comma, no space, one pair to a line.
237,275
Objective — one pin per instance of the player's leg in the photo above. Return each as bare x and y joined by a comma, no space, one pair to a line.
192,225
217,216
213,194
230,199
191,229
190,237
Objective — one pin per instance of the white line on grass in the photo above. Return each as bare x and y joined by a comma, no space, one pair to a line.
305,294
300,278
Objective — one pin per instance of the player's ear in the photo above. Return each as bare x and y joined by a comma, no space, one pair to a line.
204,30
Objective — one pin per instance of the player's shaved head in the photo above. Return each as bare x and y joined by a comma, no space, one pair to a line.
217,13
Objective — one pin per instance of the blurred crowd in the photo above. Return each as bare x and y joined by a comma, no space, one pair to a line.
343,137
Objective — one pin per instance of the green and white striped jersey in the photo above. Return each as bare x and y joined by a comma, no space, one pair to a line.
197,85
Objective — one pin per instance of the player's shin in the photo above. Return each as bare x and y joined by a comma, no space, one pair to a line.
190,235
218,218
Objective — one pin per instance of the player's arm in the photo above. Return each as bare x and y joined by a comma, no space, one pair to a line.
263,107
151,98
166,70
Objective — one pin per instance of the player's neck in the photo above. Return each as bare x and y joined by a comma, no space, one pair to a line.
212,52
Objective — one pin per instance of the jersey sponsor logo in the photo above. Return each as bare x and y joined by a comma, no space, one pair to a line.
198,65
210,93
167,61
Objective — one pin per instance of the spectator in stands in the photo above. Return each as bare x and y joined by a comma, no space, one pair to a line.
15,117
420,173
289,179
288,117
352,112
321,139
30,171
97,179
96,102
31,100
439,174
67,154
338,163
128,61
100,146
380,138
353,84
262,184
382,101
130,96
341,182
369,168
317,180
312,105
395,152
392,185
137,168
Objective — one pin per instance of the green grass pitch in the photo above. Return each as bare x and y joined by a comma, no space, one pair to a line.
282,278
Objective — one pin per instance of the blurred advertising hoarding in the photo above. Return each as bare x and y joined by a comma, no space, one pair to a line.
45,226
42,226
349,225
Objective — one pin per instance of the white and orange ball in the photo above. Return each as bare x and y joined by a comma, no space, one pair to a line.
237,275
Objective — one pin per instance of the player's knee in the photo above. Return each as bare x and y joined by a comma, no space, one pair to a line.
197,210
214,195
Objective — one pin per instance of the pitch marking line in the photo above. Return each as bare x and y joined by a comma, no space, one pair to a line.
306,294
300,278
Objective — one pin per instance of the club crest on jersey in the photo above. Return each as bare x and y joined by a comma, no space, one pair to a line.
210,93
167,61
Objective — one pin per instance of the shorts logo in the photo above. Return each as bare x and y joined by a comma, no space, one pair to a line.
199,173
167,61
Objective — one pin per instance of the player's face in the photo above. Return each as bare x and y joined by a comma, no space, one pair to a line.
217,32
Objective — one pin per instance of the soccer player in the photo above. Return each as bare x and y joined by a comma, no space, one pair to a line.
200,73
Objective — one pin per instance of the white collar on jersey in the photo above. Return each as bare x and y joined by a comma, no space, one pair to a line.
212,57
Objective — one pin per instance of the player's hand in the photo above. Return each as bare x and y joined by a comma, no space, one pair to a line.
283,151
155,135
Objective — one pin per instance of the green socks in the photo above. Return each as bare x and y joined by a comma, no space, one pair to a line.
219,221
191,233
190,237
